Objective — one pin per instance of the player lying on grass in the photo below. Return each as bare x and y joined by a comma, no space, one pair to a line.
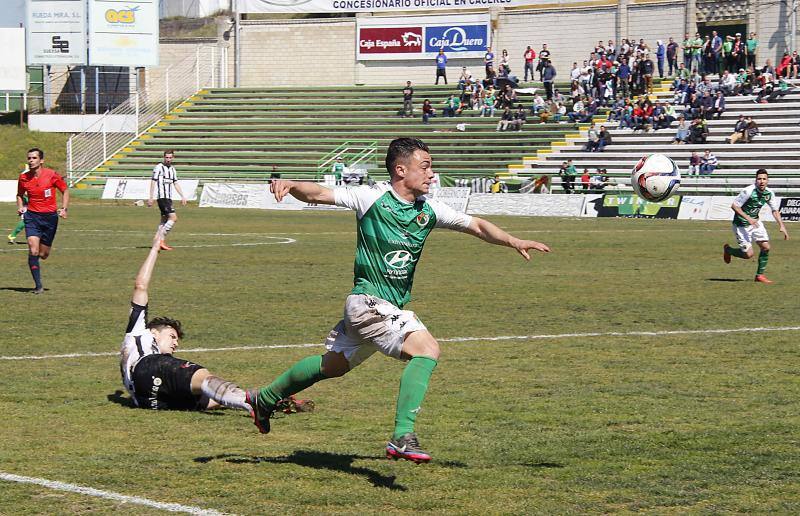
748,229
393,221
155,378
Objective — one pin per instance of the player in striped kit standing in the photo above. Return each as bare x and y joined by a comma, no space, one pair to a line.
164,180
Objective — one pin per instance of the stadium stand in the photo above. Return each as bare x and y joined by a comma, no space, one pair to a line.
776,149
250,134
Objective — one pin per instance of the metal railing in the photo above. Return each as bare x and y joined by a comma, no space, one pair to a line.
352,152
165,89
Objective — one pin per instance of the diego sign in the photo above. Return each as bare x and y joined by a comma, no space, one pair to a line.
422,37
790,208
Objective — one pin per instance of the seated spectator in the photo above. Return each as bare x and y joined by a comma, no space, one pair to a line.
698,131
739,130
598,181
452,106
717,107
578,110
542,185
546,113
626,119
576,91
681,94
508,97
694,164
617,108
682,133
727,83
538,104
771,92
794,66
706,105
487,105
784,67
466,95
708,163
744,83
559,111
498,186
585,178
506,118
593,139
465,78
519,119
604,138
662,118
427,111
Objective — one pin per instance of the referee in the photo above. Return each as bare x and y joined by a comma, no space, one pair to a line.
39,185
164,179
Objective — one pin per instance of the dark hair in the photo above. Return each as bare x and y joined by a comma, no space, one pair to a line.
162,322
402,149
762,171
169,152
38,150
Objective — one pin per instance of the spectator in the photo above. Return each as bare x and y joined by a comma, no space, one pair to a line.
697,51
509,97
694,164
744,83
706,105
542,185
529,56
428,111
338,169
770,92
504,61
546,113
661,56
519,119
506,118
682,132
672,56
559,111
465,78
488,63
598,181
575,73
687,51
739,130
727,83
784,66
544,59
738,53
593,139
487,106
715,62
585,178
698,131
718,107
794,66
498,186
567,173
538,104
408,95
451,105
604,138
708,163
441,66
548,76
752,49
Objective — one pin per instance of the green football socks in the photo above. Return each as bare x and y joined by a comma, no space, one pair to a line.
18,229
413,385
763,257
735,251
301,375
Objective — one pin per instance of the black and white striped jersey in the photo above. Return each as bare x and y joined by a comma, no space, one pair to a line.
164,176
138,343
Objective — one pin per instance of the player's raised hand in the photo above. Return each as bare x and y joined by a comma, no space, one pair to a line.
280,188
523,246
785,233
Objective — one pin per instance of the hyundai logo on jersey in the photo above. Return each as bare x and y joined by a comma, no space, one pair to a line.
456,38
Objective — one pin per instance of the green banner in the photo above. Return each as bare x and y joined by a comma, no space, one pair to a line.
629,205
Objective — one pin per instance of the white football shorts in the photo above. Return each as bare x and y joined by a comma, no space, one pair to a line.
746,235
371,324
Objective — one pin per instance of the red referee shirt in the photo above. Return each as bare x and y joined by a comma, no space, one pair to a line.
41,190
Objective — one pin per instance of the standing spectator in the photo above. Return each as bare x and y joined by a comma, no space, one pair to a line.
544,59
427,113
661,55
726,62
441,66
164,178
567,173
752,49
624,78
672,56
738,53
697,51
687,51
488,63
647,73
716,63
504,61
465,79
39,185
694,164
575,73
585,178
548,76
529,56
708,163
408,96
339,168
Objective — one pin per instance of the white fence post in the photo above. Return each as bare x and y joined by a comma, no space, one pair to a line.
105,143
166,91
197,67
69,159
136,111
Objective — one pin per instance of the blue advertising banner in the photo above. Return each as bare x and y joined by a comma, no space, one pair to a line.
456,38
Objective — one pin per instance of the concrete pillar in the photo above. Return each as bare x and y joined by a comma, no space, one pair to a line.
691,17
622,20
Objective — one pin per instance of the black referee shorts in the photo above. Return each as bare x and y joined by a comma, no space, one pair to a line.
163,382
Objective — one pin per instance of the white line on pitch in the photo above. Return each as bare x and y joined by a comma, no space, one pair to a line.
446,339
98,493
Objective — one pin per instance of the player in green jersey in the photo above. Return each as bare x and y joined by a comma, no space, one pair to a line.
393,221
748,228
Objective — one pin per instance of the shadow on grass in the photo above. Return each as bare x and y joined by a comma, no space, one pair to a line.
541,465
320,460
20,289
725,280
119,398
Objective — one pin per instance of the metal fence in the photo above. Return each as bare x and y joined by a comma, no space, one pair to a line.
164,90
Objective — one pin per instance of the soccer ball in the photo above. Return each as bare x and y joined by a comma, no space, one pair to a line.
655,178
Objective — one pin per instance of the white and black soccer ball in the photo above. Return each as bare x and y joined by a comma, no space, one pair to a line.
656,178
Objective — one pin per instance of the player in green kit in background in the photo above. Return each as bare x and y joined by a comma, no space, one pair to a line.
393,221
749,229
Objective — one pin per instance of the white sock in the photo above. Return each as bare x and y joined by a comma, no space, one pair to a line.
168,226
225,393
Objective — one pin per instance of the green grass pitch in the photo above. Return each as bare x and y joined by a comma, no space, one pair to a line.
692,421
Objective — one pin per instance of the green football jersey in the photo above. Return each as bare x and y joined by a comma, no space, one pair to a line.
391,233
751,200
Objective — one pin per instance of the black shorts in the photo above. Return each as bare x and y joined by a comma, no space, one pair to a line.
165,205
42,225
163,382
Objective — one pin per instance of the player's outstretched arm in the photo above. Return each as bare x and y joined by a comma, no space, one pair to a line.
781,225
488,232
146,271
305,191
